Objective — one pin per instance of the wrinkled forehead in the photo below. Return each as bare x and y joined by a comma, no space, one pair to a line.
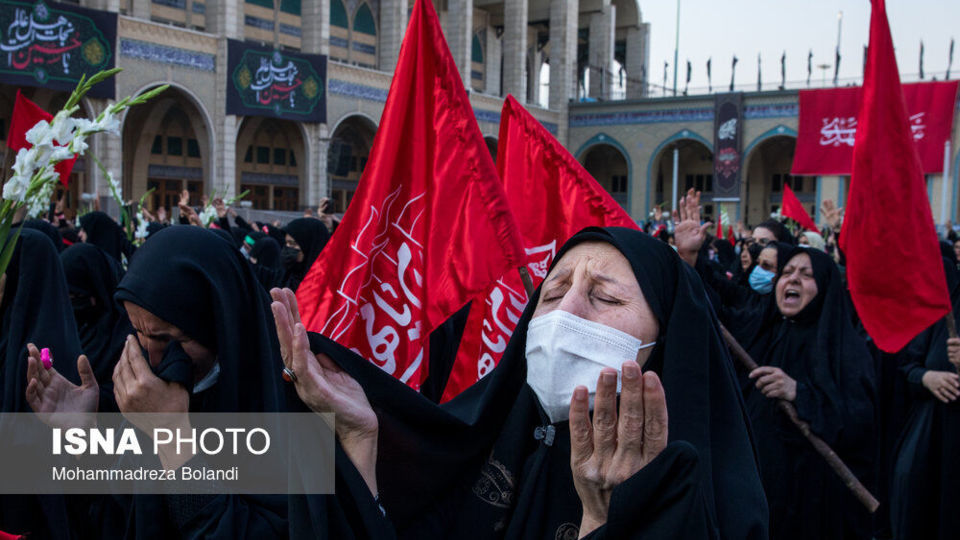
597,259
148,323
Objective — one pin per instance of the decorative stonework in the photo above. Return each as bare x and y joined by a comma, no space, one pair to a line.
269,178
161,54
172,171
345,88
641,117
790,110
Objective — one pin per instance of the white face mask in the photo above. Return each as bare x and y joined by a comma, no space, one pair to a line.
565,351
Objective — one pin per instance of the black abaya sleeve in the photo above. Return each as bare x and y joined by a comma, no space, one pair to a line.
662,500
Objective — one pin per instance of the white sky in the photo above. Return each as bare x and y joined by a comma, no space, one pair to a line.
722,28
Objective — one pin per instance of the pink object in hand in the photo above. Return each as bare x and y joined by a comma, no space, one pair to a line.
45,358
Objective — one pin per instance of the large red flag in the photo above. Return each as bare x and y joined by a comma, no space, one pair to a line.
26,114
888,218
792,209
552,197
429,227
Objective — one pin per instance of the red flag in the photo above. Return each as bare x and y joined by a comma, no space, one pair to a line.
26,114
720,224
888,214
553,197
792,209
429,227
733,241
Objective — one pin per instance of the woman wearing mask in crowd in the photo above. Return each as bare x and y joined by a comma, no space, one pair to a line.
304,239
811,355
516,455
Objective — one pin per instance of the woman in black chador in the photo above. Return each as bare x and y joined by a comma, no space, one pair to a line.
810,354
517,454
925,487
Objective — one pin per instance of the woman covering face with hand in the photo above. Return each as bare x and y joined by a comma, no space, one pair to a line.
518,455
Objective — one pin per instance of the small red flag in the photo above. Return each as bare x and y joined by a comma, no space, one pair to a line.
553,197
888,213
26,114
730,238
429,227
794,210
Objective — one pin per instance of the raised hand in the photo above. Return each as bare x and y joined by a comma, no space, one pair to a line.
688,233
162,214
324,387
57,399
220,207
610,449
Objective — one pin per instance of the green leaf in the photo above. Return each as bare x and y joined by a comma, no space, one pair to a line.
9,244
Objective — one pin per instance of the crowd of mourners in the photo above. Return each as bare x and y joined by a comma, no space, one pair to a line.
616,411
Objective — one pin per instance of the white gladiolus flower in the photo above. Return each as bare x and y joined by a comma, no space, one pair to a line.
62,128
16,188
40,134
208,215
61,153
109,123
141,231
85,127
39,203
26,162
79,144
115,186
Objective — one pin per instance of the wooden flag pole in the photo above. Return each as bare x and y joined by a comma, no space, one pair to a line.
952,330
822,448
527,282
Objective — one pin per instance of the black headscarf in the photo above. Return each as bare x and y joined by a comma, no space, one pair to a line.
196,281
726,254
828,358
475,468
35,309
311,235
103,327
48,229
200,283
779,230
103,232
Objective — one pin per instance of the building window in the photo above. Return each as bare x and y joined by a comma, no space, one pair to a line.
290,6
193,148
157,147
363,21
174,146
248,157
618,184
279,156
293,159
477,52
338,15
263,155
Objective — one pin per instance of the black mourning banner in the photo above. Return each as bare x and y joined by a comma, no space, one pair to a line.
276,84
727,153
52,45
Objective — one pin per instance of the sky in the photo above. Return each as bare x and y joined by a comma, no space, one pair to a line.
722,28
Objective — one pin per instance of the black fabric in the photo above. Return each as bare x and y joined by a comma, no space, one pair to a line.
103,232
779,230
822,351
472,467
926,475
103,327
200,283
266,251
35,309
48,229
726,254
311,235
444,343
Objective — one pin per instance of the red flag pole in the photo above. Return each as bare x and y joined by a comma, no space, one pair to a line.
846,475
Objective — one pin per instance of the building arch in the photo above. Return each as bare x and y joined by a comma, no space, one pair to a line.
654,159
623,196
350,143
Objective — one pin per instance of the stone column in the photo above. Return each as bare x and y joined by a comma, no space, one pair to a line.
315,24
459,34
602,29
316,166
141,9
493,59
393,24
638,60
108,5
563,52
515,49
224,17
